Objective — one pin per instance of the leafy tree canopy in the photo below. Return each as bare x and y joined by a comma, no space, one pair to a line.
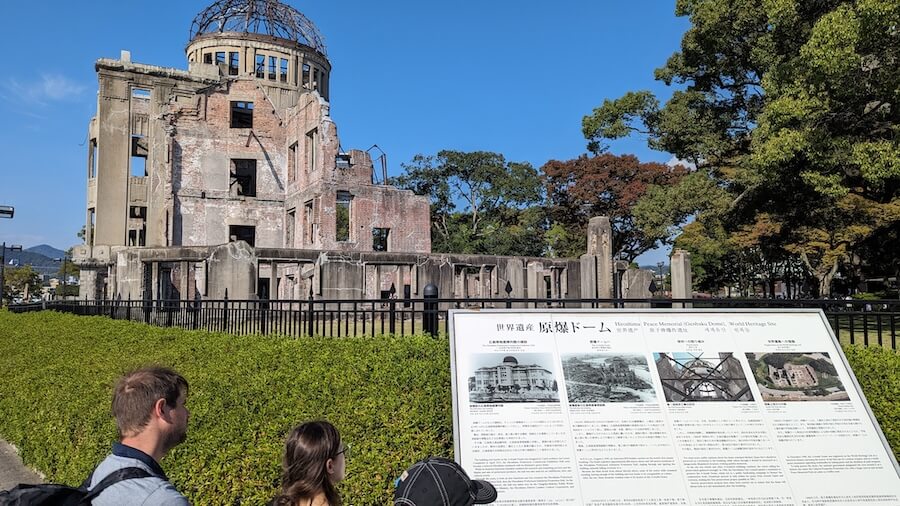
789,109
480,202
604,185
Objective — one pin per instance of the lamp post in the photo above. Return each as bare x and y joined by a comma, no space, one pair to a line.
662,278
3,248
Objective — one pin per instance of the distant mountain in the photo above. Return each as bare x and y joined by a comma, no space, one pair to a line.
46,250
41,263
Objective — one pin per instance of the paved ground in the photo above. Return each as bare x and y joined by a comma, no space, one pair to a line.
12,471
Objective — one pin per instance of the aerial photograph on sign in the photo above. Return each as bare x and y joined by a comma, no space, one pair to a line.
797,377
523,377
607,377
691,377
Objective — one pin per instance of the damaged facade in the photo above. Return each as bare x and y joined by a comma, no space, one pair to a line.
230,176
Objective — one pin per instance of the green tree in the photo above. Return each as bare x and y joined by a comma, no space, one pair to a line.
604,185
480,203
18,280
788,108
67,267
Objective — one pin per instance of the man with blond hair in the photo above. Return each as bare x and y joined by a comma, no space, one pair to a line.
151,417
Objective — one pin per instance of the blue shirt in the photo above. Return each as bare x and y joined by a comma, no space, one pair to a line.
151,491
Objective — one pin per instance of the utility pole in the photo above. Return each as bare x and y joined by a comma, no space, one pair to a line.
5,212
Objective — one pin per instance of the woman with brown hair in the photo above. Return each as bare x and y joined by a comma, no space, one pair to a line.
314,462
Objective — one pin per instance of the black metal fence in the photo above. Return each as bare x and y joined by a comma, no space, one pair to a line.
870,323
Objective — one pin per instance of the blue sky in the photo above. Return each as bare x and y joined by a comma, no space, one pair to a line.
514,77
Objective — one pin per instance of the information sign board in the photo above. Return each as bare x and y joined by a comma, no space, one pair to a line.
664,407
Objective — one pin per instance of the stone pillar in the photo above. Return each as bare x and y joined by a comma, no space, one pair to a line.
184,287
682,281
232,266
515,275
535,271
636,285
597,264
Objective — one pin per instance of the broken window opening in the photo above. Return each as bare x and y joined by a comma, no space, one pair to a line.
308,219
292,163
137,237
92,159
139,154
207,58
261,66
244,233
284,70
315,81
342,216
306,75
220,57
323,87
92,221
380,239
289,223
233,63
137,212
242,115
273,61
140,93
243,178
312,142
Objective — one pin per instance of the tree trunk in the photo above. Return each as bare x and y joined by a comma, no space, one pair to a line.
826,279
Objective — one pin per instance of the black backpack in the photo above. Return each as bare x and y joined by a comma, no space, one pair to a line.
63,495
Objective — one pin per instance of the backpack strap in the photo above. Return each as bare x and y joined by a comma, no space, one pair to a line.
126,473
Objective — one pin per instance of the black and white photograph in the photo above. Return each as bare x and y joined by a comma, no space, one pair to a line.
518,377
697,377
607,377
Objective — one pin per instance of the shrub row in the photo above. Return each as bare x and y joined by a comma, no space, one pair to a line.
389,396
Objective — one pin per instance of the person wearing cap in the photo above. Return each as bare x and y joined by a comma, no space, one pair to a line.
436,481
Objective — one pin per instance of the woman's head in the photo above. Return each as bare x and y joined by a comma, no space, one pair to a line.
314,461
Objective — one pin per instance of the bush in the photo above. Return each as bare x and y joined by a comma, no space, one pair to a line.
389,396
878,372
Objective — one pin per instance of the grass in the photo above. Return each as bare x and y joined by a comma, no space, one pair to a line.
390,397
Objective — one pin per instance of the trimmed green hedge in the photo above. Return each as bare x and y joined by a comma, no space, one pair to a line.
389,396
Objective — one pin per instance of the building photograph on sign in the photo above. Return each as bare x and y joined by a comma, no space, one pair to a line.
607,377
647,407
797,377
528,378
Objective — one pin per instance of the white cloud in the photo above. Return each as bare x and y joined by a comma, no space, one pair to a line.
40,91
676,161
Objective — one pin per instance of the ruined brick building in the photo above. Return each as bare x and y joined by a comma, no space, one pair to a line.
229,177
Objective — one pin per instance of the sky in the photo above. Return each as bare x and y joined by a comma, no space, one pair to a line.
513,77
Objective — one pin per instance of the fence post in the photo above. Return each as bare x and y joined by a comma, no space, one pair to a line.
392,314
225,312
195,311
430,323
508,290
309,316
148,304
264,309
128,305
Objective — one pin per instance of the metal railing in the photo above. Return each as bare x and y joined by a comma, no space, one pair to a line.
869,323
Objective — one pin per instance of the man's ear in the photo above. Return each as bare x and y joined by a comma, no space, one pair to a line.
161,409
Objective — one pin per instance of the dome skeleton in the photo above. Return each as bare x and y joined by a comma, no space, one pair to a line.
264,17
